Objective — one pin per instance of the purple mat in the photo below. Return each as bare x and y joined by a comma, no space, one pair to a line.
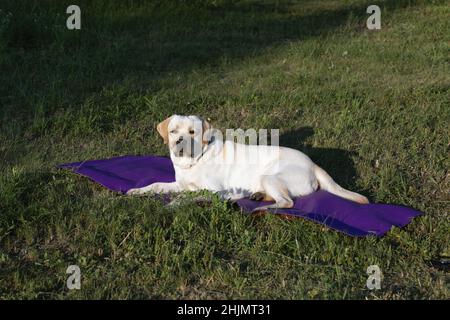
123,173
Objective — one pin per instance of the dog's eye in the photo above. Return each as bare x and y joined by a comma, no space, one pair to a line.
191,132
173,131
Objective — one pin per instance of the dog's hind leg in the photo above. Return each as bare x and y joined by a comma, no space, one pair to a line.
275,188
260,196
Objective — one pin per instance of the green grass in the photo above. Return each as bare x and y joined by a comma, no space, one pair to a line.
372,107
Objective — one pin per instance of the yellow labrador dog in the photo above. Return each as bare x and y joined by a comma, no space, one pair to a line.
236,170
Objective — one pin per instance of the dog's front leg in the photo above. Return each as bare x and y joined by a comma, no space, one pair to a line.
158,187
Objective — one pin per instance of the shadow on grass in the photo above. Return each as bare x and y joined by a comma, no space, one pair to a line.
136,43
337,162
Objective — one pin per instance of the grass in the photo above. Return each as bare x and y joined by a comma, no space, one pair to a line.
371,107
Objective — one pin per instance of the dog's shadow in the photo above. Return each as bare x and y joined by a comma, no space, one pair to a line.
337,162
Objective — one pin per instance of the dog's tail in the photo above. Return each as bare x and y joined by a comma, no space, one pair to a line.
328,184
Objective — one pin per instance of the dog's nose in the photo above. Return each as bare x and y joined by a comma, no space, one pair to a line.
180,139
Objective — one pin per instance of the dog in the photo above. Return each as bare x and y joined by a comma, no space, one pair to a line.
203,162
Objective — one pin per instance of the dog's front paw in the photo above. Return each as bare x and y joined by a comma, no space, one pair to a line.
134,191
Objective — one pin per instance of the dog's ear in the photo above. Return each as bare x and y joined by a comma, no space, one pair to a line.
206,134
163,130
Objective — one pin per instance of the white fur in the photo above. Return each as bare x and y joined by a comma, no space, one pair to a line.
226,168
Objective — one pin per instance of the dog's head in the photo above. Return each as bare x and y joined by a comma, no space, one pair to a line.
185,135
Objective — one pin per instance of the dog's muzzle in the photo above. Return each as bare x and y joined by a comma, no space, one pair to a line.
186,147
